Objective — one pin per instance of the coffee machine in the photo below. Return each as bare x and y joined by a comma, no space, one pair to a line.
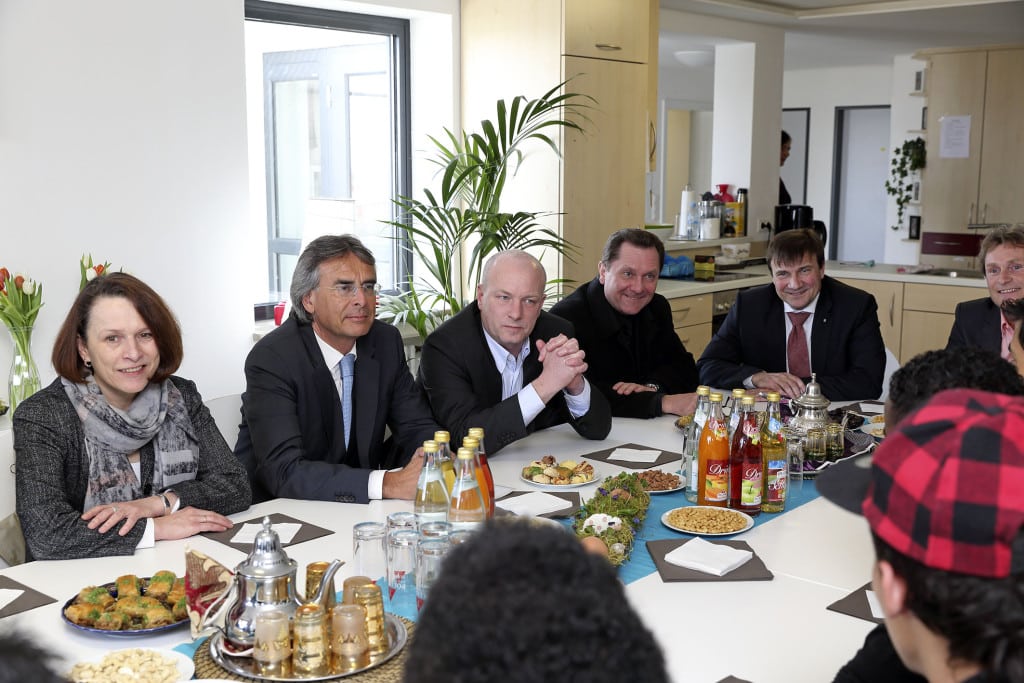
796,216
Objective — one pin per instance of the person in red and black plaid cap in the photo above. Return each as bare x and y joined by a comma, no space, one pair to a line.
946,511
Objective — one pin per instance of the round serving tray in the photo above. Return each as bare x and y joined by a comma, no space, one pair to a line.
245,666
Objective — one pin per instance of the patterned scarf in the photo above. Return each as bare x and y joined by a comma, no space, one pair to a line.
158,414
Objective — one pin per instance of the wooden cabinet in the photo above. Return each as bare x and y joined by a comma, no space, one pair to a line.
529,46
889,297
981,187
691,316
928,315
607,29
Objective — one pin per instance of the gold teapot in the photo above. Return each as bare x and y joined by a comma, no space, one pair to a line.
264,582
810,409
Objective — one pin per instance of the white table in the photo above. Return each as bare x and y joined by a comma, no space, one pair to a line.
762,631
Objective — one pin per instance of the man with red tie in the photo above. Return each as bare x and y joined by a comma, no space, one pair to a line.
775,336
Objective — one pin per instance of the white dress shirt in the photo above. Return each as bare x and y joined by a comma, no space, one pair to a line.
530,405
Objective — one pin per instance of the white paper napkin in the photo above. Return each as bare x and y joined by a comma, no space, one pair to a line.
285,531
872,408
9,595
709,558
634,455
534,504
876,607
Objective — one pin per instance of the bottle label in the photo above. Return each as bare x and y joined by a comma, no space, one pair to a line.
750,494
776,483
716,481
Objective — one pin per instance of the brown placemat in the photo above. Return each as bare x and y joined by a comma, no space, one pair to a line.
665,458
30,599
572,496
856,605
391,671
733,679
752,570
307,533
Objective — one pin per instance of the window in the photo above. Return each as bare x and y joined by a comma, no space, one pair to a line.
329,133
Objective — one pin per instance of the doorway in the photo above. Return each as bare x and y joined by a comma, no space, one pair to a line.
860,167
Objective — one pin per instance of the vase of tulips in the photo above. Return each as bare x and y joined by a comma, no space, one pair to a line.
20,301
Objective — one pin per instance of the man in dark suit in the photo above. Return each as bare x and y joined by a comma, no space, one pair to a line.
776,335
634,355
504,364
980,322
295,440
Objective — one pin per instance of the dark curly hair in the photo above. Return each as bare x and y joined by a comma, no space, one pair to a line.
22,660
981,618
928,373
524,603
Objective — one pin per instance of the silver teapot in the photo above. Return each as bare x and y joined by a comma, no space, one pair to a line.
810,409
264,582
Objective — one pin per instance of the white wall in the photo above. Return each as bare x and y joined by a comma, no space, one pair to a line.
823,90
754,163
123,134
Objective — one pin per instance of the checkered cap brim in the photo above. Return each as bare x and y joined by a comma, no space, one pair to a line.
947,486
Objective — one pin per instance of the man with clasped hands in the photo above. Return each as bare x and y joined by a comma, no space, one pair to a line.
322,389
777,334
504,364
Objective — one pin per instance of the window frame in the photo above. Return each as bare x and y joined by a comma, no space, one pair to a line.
398,29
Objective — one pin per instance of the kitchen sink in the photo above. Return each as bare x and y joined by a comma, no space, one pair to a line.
953,272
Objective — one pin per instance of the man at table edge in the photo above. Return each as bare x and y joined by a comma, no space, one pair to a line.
841,340
634,355
981,322
504,364
293,438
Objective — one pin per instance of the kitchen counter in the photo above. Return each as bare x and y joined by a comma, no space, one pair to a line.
671,289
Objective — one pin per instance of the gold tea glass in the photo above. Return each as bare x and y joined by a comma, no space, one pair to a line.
814,446
834,441
314,577
311,653
272,644
369,597
350,648
348,588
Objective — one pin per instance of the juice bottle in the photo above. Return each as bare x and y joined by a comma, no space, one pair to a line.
481,478
700,416
773,457
444,458
432,499
478,433
735,412
745,473
466,510
713,457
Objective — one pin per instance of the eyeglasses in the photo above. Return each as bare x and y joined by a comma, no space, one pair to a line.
347,290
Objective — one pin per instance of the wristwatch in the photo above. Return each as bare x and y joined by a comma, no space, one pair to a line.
652,385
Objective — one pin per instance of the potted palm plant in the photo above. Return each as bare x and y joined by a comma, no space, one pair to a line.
453,229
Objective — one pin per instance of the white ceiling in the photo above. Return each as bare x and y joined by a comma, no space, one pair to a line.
829,33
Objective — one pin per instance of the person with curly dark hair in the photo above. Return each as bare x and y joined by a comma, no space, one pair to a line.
523,603
945,514
22,660
928,373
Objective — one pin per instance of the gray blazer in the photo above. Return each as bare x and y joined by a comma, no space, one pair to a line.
52,470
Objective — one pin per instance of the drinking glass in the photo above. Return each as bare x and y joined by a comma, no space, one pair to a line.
814,446
311,650
348,588
368,596
368,553
429,557
795,457
401,520
271,650
460,536
431,530
350,648
834,442
402,567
